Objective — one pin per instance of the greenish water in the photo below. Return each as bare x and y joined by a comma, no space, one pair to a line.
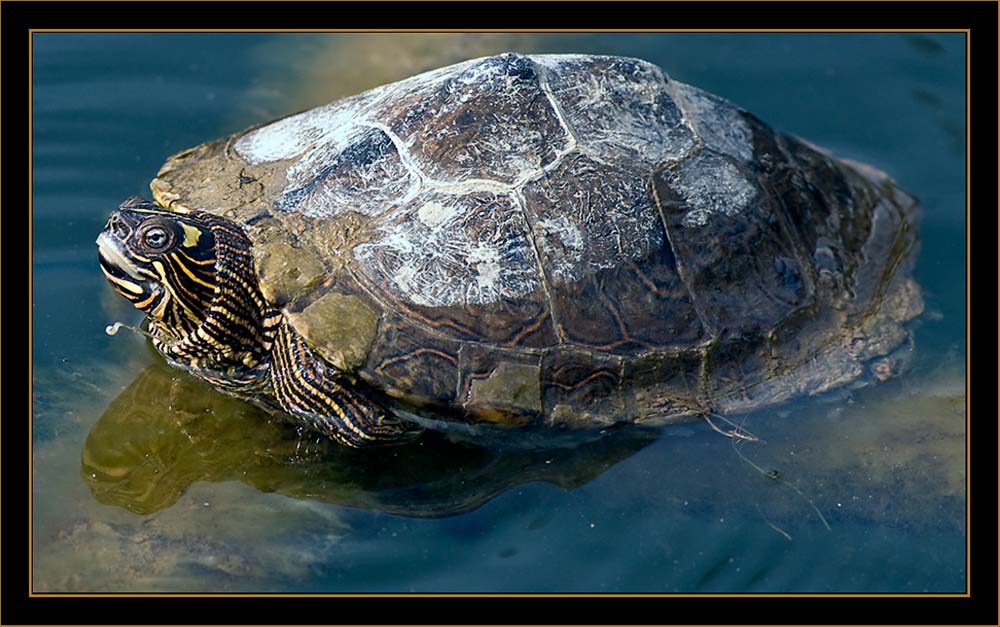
146,480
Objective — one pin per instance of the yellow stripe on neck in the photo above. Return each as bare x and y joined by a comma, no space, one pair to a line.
185,270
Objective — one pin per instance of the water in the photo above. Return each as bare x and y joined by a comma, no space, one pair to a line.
145,480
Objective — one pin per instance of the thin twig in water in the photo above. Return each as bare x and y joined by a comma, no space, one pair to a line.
774,477
774,526
737,432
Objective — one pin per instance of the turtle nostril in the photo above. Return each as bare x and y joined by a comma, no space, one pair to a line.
117,227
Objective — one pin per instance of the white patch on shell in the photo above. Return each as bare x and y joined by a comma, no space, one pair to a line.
563,242
717,121
567,232
473,250
434,214
710,185
485,260
330,146
404,277
290,137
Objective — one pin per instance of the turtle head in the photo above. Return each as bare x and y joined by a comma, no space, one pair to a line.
192,274
163,262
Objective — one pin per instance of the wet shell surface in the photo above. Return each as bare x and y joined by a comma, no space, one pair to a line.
564,239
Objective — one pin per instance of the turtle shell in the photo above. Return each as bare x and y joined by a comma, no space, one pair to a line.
564,239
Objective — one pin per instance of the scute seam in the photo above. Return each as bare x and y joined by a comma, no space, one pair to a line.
404,156
681,271
543,83
520,202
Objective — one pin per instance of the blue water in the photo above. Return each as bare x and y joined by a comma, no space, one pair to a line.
145,480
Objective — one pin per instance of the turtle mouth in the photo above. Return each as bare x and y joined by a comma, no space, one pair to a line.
118,268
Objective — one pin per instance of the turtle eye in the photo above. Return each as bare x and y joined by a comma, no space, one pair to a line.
157,238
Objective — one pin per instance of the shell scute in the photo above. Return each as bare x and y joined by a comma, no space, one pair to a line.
409,363
718,123
489,119
619,109
664,383
741,263
461,263
846,221
369,168
582,388
611,273
500,386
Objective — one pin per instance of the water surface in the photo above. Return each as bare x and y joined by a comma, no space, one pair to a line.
145,480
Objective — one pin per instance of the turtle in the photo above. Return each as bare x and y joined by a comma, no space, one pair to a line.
519,243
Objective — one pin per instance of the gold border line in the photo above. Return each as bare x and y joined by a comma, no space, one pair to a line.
546,595
968,573
968,328
31,265
494,30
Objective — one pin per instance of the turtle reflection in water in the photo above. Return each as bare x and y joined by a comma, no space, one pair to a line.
165,432
518,241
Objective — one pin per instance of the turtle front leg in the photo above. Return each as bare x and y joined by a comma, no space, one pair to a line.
311,391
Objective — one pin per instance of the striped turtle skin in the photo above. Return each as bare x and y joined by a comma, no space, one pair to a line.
520,241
